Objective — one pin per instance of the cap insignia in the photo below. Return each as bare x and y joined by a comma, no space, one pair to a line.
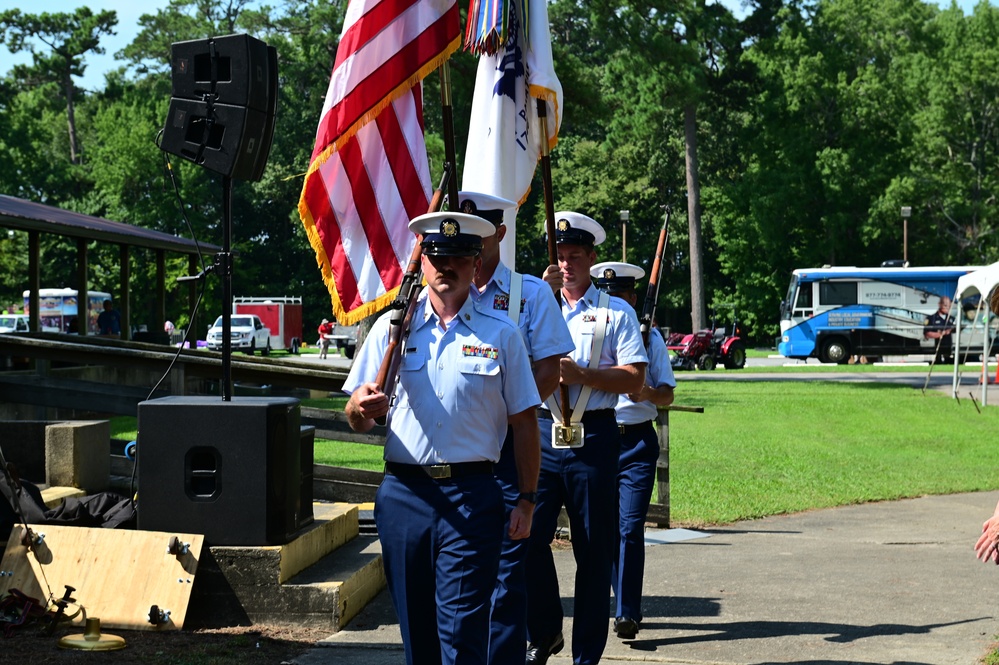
563,225
450,228
609,273
468,207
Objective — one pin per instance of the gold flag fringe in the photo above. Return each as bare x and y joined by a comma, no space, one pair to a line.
343,316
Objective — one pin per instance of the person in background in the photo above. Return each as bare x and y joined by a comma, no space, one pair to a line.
636,476
325,330
939,326
109,321
987,547
464,378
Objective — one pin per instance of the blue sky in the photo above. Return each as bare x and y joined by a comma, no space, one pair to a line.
128,26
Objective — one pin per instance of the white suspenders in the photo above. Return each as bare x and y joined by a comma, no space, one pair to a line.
516,289
560,438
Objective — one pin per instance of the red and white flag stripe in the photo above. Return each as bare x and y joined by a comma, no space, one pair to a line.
386,45
369,174
370,189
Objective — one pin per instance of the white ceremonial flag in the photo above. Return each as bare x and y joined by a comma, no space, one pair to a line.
504,141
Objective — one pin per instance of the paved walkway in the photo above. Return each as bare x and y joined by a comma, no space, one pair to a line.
887,583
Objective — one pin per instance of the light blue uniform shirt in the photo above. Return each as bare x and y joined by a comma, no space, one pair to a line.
456,387
658,373
622,342
541,324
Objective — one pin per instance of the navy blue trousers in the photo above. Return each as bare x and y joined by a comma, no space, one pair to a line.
584,480
440,546
508,623
636,477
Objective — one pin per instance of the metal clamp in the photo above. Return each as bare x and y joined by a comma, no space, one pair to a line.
178,548
158,616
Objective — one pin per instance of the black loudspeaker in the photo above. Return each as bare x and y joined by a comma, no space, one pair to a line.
224,102
231,471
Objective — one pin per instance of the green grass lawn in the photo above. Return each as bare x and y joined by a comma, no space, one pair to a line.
764,448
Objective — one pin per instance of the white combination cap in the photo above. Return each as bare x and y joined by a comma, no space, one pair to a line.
451,233
573,228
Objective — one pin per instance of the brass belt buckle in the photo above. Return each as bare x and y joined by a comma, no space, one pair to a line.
567,436
439,471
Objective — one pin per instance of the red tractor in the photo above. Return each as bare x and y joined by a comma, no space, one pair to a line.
706,349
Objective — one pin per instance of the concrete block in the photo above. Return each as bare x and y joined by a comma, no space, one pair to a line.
78,454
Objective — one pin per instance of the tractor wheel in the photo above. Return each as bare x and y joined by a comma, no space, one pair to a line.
736,358
706,362
835,350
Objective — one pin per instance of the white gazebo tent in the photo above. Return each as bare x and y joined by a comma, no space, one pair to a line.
982,283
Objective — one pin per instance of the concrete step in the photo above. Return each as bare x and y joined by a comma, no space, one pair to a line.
320,579
330,593
334,524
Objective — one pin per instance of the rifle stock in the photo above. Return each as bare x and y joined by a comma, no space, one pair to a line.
655,277
405,303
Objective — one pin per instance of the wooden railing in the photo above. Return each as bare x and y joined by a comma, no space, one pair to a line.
358,486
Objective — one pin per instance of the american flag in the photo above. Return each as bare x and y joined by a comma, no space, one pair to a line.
369,173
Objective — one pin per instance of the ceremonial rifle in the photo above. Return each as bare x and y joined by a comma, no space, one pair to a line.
404,304
412,281
655,278
565,432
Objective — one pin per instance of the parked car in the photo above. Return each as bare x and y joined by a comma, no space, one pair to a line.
248,333
13,323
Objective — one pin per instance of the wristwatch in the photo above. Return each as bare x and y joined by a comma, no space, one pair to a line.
529,497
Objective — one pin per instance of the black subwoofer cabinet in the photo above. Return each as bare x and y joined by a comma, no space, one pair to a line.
230,470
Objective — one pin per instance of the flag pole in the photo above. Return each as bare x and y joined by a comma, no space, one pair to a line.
546,178
447,116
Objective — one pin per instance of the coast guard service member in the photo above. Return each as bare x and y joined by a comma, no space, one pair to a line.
636,474
464,377
530,303
580,471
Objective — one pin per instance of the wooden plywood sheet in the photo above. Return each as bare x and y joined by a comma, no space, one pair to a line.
118,575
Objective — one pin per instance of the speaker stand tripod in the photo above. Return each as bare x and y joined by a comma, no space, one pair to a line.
224,261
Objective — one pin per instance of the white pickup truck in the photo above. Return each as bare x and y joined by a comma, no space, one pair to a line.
247,332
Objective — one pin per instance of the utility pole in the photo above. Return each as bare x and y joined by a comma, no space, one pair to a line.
625,215
906,214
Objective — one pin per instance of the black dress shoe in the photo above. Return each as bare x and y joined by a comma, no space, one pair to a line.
539,652
626,628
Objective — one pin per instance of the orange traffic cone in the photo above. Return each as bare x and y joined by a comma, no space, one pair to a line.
985,373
